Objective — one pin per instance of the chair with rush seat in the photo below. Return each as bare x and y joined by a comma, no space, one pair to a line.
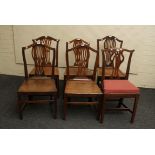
39,85
106,43
115,87
81,85
54,43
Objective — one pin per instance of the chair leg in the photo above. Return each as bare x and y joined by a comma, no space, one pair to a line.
102,111
98,80
19,106
30,97
51,98
89,99
55,108
64,85
20,109
21,115
65,107
99,107
120,102
57,84
134,109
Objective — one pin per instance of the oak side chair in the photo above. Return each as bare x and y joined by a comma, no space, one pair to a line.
106,43
115,87
73,69
81,85
39,85
54,43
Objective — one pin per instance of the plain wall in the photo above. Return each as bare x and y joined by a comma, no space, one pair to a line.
141,38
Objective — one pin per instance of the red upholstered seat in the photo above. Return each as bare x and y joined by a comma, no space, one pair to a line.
119,87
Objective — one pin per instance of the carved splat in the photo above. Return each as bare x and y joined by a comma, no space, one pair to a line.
48,41
38,52
45,41
40,58
80,54
82,57
109,42
116,58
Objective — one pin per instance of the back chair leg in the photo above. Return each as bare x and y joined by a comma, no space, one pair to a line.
134,109
98,80
21,115
65,107
57,85
120,102
55,107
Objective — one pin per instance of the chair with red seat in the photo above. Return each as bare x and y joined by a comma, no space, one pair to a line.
115,87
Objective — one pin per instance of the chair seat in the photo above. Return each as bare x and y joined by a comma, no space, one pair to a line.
38,86
119,87
82,87
108,72
73,71
47,71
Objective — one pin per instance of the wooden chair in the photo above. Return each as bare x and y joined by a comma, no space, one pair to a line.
73,69
54,43
115,87
38,85
106,43
81,85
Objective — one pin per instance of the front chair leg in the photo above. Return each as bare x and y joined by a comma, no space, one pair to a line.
65,107
102,111
99,108
134,108
20,109
19,106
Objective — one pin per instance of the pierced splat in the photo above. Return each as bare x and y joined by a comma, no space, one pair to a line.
109,42
80,54
40,59
38,52
48,41
116,58
45,41
83,54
